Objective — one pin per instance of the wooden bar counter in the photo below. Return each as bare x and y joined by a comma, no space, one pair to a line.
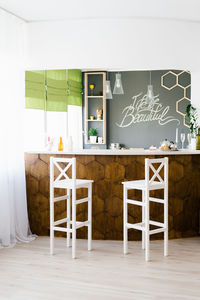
108,169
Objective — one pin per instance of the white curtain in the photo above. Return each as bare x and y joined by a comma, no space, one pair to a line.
14,225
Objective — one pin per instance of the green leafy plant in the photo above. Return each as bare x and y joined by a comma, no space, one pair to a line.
191,119
92,132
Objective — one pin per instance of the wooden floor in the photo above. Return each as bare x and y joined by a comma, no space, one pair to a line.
27,271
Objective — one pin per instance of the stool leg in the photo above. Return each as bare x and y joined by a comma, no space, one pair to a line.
143,219
68,216
147,225
125,193
90,217
51,220
51,207
73,222
166,222
166,207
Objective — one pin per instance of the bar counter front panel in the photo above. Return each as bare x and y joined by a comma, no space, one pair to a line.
108,171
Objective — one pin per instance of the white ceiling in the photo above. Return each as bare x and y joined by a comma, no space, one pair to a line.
49,10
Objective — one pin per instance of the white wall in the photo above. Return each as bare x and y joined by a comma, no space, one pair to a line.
131,44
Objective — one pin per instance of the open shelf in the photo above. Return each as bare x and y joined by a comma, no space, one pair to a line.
94,96
94,120
88,143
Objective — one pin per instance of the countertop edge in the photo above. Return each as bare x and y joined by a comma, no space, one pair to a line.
116,152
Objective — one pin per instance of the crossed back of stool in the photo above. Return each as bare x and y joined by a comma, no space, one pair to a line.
62,166
156,170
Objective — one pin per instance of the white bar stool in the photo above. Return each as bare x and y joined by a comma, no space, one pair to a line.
70,185
154,183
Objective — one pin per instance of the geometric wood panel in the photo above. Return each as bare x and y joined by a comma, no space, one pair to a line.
107,213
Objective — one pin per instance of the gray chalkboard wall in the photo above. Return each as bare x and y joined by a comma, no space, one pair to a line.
133,123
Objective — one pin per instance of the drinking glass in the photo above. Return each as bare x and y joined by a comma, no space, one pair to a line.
189,138
182,139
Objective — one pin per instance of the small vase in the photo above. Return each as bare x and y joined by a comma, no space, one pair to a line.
93,139
193,143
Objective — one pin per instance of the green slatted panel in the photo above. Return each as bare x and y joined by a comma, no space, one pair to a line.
74,79
35,90
64,87
56,81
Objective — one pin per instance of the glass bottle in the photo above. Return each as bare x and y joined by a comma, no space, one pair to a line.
60,145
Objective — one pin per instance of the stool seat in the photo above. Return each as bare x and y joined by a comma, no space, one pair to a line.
141,185
70,183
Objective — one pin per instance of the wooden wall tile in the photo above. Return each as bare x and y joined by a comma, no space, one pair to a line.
39,169
94,170
176,171
104,159
113,206
114,171
85,159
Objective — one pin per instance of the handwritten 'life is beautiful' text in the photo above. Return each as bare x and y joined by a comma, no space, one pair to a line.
140,111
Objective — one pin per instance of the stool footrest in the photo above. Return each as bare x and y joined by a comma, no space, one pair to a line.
82,200
135,202
138,226
156,200
61,221
64,229
154,231
155,223
60,198
82,224
141,226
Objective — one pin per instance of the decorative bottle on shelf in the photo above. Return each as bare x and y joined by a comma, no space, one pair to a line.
60,145
99,114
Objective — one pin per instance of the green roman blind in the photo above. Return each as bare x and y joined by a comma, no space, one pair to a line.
74,82
56,82
62,88
35,89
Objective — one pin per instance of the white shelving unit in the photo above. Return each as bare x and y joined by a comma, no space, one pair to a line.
88,98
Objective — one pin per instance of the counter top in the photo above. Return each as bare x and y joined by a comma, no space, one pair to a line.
117,152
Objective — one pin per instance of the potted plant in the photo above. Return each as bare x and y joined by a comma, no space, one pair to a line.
93,135
191,121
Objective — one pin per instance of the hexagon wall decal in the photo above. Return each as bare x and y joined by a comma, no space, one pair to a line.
187,93
183,79
171,80
181,105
